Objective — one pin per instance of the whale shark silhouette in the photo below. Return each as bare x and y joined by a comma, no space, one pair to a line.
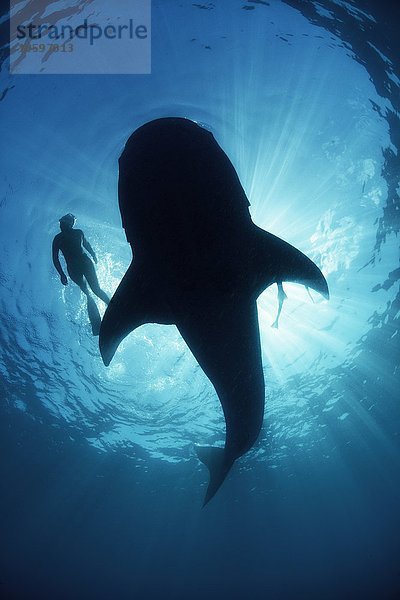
200,262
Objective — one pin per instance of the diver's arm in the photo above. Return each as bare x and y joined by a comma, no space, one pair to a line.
56,262
89,248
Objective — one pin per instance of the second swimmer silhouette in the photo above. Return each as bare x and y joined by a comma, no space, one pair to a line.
72,243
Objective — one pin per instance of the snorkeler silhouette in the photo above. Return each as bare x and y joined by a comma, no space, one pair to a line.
80,268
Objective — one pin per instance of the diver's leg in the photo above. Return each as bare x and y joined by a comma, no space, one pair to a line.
93,311
281,298
77,277
91,276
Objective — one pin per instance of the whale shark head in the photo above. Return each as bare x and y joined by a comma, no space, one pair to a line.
173,176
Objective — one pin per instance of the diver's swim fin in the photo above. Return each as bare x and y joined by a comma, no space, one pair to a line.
94,316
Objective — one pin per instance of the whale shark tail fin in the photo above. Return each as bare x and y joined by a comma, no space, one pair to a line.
216,462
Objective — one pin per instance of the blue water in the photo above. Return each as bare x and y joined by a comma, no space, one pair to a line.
101,489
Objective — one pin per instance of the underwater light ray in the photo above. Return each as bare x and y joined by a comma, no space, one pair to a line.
292,132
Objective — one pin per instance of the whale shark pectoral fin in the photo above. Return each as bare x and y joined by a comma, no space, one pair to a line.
124,313
134,303
222,333
278,261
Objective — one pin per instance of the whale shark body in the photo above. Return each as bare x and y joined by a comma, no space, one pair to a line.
200,262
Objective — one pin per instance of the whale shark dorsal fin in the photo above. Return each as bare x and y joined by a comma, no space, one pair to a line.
135,302
277,261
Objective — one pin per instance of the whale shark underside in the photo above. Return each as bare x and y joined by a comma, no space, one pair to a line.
200,262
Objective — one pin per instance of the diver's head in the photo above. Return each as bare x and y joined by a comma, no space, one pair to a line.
67,222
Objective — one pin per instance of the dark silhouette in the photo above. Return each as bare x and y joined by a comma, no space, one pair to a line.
200,263
72,243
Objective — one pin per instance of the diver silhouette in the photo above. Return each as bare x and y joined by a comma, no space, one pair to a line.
72,243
